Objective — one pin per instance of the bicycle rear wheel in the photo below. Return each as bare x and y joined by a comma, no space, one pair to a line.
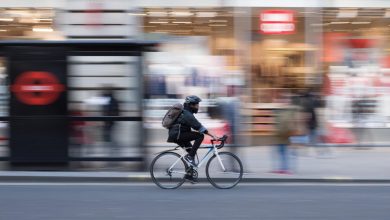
168,170
225,173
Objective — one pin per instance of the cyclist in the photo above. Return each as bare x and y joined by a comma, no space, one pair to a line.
181,132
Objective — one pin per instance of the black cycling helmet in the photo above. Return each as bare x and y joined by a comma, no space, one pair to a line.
192,99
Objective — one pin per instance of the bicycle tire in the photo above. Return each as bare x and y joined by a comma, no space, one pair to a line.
222,181
164,166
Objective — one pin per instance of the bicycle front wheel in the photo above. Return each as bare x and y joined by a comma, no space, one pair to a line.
168,170
224,171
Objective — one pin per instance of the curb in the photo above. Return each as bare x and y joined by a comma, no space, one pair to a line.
147,179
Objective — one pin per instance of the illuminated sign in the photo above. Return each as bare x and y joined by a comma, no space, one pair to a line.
277,22
37,88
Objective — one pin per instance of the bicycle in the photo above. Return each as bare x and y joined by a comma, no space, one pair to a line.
223,169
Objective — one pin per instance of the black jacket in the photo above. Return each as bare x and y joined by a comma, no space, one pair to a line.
184,123
309,103
111,109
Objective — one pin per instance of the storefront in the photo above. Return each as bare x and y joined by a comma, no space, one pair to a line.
27,23
208,31
197,56
340,53
284,62
355,58
255,52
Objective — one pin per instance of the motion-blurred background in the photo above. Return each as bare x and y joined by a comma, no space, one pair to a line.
243,58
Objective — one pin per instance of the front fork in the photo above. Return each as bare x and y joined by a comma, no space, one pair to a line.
219,159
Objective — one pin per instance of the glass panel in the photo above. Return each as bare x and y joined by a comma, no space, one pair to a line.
4,100
104,87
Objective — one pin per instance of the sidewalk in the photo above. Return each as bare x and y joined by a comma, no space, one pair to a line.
341,164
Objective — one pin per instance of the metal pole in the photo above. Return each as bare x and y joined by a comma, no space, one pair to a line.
142,131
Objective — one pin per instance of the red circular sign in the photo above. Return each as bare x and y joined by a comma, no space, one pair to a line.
37,88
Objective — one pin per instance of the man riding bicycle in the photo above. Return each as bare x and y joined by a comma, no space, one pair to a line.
181,132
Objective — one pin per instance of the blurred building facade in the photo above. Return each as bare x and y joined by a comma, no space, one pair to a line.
253,51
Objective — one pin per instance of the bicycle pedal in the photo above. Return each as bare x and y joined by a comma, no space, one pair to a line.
192,180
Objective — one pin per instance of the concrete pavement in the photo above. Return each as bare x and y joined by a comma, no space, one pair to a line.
309,164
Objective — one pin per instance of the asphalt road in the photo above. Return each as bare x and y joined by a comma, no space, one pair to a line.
256,201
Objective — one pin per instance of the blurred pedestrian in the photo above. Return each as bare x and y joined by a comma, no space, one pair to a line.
228,108
309,103
110,108
286,127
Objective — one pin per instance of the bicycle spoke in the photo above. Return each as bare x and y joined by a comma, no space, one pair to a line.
178,172
224,171
167,170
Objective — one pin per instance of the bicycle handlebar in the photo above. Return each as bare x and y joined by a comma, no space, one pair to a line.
222,140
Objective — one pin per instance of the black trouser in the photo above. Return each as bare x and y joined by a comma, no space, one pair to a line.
186,138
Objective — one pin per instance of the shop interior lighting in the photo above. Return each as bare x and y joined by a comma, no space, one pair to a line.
19,13
347,13
181,14
43,19
361,22
6,19
208,14
158,22
42,29
339,22
157,14
137,14
182,22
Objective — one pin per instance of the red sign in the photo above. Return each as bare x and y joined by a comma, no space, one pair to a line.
37,88
277,22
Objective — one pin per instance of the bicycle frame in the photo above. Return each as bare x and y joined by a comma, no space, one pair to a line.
212,149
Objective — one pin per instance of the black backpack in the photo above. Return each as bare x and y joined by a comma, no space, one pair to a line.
171,116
